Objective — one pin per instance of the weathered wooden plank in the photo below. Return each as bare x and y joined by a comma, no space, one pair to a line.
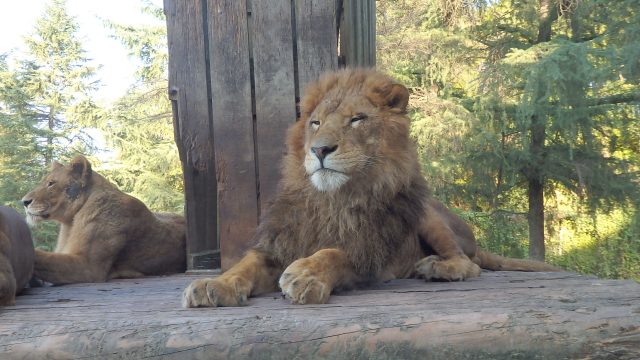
275,97
498,315
232,127
316,39
358,33
193,129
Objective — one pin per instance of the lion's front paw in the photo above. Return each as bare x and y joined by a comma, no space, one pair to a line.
454,269
303,285
212,293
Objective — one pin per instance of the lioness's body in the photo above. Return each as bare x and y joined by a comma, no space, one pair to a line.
353,206
104,233
16,255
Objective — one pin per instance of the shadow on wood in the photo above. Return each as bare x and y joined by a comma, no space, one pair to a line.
498,315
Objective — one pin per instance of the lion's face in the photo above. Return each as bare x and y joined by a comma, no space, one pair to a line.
354,125
54,198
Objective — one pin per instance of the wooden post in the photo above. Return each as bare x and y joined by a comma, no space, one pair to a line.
275,89
358,33
316,39
237,69
188,91
233,129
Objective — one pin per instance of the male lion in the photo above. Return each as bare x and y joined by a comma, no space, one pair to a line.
16,255
104,233
352,205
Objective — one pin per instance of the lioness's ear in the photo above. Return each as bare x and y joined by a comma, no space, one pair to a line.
80,169
390,95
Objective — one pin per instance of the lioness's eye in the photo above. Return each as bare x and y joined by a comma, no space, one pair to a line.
314,123
51,183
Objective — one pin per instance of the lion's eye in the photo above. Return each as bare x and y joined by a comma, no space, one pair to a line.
357,119
314,123
51,183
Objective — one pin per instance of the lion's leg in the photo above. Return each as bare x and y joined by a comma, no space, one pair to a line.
311,280
450,263
59,268
255,274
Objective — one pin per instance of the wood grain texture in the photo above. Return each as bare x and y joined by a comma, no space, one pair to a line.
233,134
275,97
193,128
500,315
358,33
316,39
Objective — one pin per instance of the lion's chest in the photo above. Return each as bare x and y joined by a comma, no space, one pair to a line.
372,238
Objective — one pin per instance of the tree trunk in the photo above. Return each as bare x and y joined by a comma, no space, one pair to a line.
536,220
547,15
536,188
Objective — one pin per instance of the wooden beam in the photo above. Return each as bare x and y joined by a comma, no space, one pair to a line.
193,129
358,33
499,315
275,97
233,128
316,39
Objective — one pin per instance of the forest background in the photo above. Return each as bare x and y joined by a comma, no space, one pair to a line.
526,115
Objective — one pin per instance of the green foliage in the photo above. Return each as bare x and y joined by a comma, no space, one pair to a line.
57,82
500,232
39,103
604,244
485,76
45,104
139,126
147,165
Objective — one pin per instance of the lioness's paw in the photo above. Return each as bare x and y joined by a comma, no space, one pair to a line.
302,285
212,293
454,269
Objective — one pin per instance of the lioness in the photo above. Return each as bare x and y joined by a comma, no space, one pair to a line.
16,255
352,205
104,232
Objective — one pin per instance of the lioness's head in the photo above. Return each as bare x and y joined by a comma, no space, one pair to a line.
57,196
353,130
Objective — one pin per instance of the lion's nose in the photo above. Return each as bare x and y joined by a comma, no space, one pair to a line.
27,202
322,151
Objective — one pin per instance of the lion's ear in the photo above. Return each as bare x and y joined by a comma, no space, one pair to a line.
389,95
80,169
55,165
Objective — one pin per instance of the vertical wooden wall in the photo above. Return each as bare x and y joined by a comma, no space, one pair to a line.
237,69
358,33
189,91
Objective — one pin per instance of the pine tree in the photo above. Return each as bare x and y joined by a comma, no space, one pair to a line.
45,104
139,126
20,152
519,98
562,83
50,89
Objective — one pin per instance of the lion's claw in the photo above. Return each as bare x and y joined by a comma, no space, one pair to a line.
454,269
212,293
302,286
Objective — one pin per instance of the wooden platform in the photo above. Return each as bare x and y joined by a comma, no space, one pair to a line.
499,315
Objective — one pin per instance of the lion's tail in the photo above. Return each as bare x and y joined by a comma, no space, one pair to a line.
489,261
